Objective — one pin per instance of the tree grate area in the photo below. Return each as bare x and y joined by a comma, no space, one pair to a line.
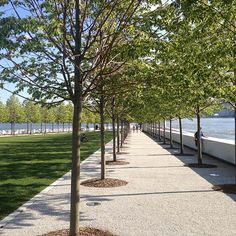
85,231
196,165
104,183
225,188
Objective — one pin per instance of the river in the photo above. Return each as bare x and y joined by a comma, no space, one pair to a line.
212,127
5,128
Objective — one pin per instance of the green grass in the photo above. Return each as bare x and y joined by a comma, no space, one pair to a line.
30,163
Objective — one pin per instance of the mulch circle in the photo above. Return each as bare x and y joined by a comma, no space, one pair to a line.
113,163
84,231
104,183
225,188
196,165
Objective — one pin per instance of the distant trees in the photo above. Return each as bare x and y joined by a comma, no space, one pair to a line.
3,112
28,112
32,114
15,112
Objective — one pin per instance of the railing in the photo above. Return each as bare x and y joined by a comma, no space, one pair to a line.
220,148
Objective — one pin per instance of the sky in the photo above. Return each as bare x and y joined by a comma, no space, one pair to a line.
4,95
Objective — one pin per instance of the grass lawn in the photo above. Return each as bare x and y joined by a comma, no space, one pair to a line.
28,164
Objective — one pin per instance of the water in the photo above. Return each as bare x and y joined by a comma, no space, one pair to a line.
21,128
212,127
5,128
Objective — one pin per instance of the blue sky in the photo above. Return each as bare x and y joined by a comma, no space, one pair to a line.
4,95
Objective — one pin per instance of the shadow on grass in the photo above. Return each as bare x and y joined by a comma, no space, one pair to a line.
30,163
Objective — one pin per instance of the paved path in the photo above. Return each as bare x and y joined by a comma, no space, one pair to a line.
161,198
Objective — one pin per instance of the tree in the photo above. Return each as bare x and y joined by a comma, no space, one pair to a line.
3,113
69,114
32,114
64,48
61,115
47,116
15,112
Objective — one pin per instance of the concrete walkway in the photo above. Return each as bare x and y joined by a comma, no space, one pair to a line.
161,198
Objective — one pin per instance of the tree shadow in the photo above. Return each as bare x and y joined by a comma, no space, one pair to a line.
223,174
30,163
53,205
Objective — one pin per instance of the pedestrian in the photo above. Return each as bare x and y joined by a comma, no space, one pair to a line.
133,128
83,138
196,136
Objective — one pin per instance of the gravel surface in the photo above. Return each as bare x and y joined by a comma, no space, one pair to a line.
162,197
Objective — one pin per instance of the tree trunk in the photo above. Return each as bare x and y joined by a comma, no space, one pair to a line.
77,102
164,132
199,141
159,131
63,127
103,161
27,127
58,127
52,127
30,127
41,128
122,133
171,141
114,129
181,136
14,130
75,174
118,134
45,126
11,128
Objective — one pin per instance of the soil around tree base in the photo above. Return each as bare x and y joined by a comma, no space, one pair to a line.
104,183
117,163
84,231
225,188
196,165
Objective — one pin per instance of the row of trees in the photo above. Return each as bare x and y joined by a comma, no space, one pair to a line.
28,112
127,60
192,61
